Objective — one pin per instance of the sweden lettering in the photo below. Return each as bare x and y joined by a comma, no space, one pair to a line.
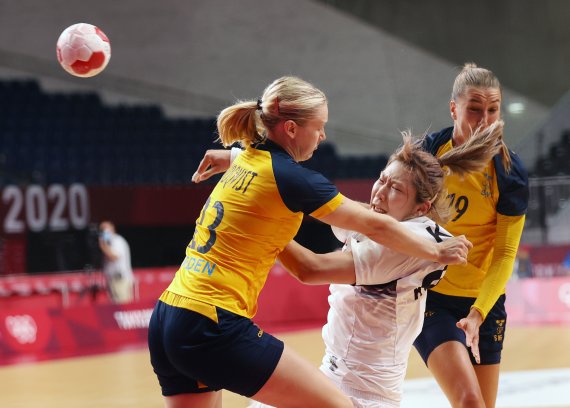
193,264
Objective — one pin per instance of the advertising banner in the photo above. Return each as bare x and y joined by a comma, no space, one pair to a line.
56,316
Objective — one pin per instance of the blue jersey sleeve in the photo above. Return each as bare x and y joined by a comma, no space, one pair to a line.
300,188
513,186
433,141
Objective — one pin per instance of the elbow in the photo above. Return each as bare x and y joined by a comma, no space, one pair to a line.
305,274
303,265
302,276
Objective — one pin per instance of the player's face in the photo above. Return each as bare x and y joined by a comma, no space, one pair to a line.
311,134
478,106
394,193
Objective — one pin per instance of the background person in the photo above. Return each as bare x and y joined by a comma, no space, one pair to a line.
522,268
116,263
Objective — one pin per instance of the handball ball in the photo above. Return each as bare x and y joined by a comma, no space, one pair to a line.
83,50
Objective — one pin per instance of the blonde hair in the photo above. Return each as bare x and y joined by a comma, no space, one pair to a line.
428,172
472,76
286,98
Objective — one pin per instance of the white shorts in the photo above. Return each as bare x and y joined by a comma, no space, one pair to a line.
359,398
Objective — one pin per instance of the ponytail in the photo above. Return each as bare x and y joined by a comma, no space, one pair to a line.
238,123
286,98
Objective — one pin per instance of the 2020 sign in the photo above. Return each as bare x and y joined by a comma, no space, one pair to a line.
36,208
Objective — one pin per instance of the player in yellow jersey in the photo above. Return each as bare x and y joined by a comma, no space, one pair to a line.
201,337
467,308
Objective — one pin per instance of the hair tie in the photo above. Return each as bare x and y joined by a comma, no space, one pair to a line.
259,102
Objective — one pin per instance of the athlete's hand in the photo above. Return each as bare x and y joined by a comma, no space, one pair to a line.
454,250
214,162
470,325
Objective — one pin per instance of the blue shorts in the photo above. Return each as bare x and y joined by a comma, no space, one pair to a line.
443,312
191,353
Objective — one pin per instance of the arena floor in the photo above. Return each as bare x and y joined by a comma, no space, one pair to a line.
535,373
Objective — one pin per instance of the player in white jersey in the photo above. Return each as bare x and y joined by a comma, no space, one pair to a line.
372,325
378,295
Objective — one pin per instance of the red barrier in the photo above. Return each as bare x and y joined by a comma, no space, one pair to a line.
539,301
547,260
36,323
287,304
48,333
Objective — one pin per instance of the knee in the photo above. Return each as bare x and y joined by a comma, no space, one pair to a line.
468,398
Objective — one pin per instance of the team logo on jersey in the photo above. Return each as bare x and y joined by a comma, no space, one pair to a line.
486,190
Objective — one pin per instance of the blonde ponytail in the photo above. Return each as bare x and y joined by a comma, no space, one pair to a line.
238,123
286,98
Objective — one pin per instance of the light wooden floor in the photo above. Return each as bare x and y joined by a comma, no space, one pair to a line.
126,379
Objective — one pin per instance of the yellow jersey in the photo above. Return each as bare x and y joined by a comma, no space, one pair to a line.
254,211
483,204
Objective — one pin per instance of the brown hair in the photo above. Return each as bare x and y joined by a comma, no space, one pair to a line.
428,171
286,98
472,76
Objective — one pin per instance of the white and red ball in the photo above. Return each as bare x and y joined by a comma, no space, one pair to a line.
83,50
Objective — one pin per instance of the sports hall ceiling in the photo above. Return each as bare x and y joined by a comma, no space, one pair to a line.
525,42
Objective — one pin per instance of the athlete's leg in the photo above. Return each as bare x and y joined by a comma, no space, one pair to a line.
488,376
450,365
491,337
297,383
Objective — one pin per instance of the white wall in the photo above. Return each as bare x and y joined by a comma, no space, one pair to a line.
194,57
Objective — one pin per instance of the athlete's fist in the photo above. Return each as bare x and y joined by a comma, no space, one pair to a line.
454,251
214,162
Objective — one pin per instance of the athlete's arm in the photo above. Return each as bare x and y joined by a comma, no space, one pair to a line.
388,232
317,269
214,161
507,239
351,215
509,231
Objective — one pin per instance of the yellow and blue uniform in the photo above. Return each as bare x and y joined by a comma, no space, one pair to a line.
254,211
488,207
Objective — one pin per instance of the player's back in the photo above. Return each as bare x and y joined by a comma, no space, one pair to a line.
253,212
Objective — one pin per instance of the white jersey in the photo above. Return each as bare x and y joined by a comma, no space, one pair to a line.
372,325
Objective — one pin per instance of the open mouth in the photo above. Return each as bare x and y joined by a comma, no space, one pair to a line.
378,210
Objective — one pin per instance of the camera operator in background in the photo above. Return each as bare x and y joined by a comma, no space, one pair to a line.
116,263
